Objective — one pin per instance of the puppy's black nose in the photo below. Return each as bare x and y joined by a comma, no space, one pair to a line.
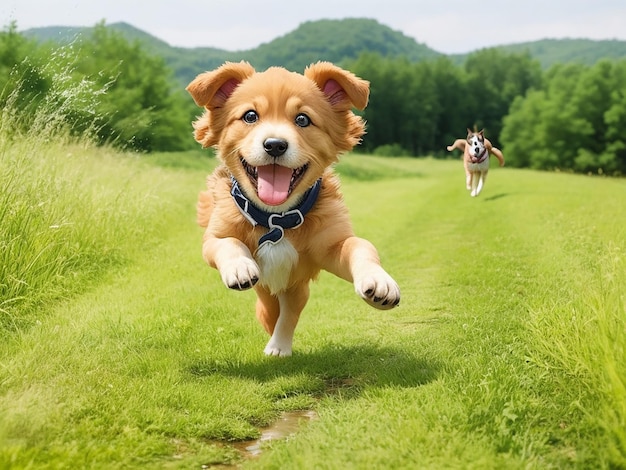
275,147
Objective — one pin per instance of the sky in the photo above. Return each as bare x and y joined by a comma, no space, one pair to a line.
447,26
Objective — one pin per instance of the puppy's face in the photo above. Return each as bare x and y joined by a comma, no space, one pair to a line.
476,142
277,131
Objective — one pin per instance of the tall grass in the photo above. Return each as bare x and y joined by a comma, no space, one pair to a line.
67,208
581,342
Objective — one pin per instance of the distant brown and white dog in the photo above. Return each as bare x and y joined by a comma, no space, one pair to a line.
476,150
273,212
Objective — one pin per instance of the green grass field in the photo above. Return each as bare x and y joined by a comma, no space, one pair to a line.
125,351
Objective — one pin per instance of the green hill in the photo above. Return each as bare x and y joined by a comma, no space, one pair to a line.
335,41
332,40
67,34
584,51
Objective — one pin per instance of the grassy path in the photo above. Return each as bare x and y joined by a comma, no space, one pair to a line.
507,350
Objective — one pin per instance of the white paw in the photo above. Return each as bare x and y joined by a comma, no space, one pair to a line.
240,274
378,289
275,348
474,193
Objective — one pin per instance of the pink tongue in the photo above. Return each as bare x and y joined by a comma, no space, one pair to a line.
274,184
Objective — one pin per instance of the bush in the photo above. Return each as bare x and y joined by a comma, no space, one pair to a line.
391,150
141,109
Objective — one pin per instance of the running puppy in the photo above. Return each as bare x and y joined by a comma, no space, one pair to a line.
273,212
476,150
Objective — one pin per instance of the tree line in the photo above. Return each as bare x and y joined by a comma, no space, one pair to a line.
569,117
419,108
102,84
575,120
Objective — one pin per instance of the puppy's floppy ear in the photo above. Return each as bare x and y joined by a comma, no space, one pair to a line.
469,132
343,89
212,89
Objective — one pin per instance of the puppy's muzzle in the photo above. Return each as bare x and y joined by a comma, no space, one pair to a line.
275,147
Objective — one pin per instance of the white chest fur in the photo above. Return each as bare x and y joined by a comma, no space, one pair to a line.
482,166
276,262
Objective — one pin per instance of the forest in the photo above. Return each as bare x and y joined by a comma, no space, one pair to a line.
568,116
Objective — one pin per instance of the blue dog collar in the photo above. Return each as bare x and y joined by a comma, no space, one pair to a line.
276,222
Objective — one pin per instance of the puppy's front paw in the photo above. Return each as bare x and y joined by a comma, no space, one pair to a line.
275,348
378,289
240,274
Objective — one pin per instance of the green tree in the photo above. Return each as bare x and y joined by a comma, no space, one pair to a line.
424,106
140,108
379,114
13,49
403,107
575,121
519,136
100,84
21,74
599,98
422,109
456,106
494,80
543,129
613,158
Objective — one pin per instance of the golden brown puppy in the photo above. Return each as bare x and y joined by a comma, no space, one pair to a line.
273,212
476,150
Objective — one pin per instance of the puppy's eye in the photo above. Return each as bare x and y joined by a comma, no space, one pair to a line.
250,117
302,120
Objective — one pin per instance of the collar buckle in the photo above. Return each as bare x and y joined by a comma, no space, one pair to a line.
276,222
286,219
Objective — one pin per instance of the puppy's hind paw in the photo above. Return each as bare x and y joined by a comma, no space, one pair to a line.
241,274
379,290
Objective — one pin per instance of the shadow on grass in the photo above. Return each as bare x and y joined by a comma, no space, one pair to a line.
335,370
496,196
336,366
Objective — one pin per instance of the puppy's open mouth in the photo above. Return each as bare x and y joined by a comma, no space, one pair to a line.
273,183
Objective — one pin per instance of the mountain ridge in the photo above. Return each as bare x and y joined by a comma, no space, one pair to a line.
333,40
